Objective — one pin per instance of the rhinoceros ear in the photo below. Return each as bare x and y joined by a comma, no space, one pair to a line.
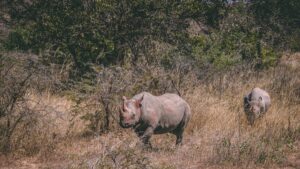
139,102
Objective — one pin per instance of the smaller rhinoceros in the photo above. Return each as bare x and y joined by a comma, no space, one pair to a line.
148,115
256,104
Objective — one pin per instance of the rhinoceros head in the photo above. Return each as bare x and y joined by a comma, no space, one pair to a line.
255,106
130,112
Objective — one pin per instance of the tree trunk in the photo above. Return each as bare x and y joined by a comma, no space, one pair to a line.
106,118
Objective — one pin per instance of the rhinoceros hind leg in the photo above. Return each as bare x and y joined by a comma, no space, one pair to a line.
180,128
179,139
178,132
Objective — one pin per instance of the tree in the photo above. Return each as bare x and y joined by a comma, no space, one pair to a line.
280,20
97,32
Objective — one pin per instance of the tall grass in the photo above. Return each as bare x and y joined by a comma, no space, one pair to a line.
219,121
218,133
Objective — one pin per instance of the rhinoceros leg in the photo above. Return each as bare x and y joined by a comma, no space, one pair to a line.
147,135
180,129
250,118
178,132
179,139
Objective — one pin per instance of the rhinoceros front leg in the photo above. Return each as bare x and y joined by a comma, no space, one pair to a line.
147,135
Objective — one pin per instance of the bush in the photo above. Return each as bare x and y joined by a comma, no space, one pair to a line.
22,129
16,75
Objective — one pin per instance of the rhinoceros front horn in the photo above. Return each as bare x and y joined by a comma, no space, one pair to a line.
121,111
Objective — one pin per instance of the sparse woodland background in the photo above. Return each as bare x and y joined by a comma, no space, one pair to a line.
65,64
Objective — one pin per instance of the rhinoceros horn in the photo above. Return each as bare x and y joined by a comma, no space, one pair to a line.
121,112
124,105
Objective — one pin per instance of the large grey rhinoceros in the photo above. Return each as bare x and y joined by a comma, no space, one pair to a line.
148,115
256,104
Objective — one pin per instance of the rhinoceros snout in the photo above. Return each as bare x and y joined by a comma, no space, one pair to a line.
125,125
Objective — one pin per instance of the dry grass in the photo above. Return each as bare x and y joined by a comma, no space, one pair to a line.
219,125
218,135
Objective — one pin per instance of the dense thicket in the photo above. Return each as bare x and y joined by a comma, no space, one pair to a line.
109,32
100,32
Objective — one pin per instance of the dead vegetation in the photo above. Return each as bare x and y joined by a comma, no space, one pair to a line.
50,133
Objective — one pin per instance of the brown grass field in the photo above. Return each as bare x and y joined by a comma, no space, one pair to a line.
218,135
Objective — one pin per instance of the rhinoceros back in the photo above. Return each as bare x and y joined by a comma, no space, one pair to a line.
174,109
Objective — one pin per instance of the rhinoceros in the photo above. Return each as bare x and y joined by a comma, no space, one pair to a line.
256,104
148,114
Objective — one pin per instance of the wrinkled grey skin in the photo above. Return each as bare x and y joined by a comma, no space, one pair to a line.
148,115
256,104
